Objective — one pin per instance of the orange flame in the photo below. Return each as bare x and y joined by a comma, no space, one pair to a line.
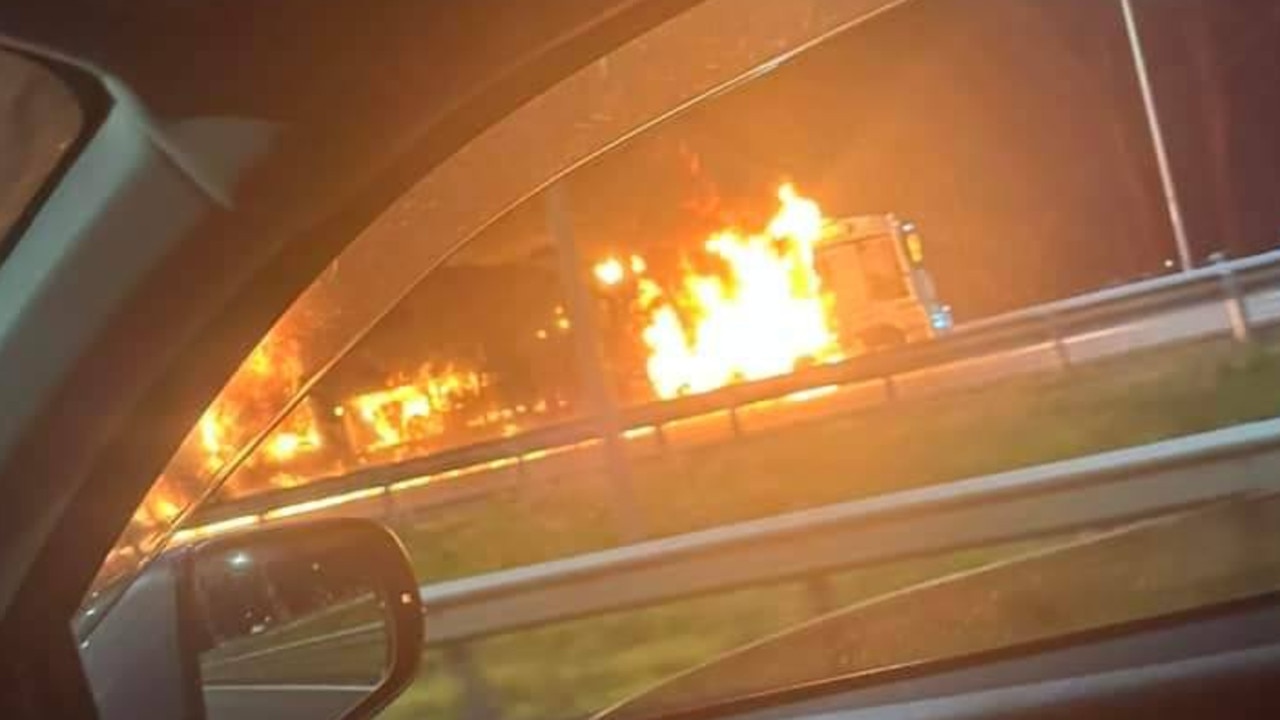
610,271
765,315
762,314
411,411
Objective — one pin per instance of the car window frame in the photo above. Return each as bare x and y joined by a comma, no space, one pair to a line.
93,103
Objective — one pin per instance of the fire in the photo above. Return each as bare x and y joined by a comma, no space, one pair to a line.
763,316
413,410
392,414
761,311
211,439
298,435
157,507
610,271
269,374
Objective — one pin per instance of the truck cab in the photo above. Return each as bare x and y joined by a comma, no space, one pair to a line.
873,266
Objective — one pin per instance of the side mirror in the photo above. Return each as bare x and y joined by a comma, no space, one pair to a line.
319,620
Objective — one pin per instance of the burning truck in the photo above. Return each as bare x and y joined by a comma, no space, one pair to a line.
802,289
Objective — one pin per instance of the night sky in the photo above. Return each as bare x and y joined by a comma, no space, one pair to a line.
1011,130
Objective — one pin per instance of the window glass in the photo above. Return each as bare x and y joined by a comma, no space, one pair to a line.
711,326
40,119
480,351
883,269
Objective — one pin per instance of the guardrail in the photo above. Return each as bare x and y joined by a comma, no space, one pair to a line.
1095,492
1252,268
1098,490
1051,324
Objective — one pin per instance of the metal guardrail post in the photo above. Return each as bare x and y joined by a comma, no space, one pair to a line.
890,389
660,436
735,423
822,598
390,508
478,700
1060,349
1233,297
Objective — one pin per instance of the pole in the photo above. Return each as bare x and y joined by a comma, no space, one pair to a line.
1157,138
595,386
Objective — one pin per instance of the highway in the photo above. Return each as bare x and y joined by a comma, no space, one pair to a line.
1085,339
1089,492
1086,497
1165,478
1190,323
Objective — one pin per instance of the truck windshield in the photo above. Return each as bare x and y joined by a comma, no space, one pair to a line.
883,271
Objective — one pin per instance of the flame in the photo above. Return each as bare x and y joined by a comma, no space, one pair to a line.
391,414
610,271
286,444
412,410
211,439
158,507
270,373
761,312
764,316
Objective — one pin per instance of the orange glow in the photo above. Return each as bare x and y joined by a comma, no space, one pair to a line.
482,467
763,316
211,439
160,506
639,432
391,413
269,375
412,483
284,446
610,271
331,501
217,528
745,305
167,509
811,394
550,452
412,411
296,436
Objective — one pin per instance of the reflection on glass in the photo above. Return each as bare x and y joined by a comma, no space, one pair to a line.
1106,578
39,120
481,350
279,621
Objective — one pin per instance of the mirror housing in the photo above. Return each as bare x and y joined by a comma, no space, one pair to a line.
319,619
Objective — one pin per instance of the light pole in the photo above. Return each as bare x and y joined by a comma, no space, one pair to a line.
1157,138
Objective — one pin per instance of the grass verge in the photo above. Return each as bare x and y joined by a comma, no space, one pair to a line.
1138,398
1214,555
574,668
578,667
